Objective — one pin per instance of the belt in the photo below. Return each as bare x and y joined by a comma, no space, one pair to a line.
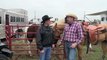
70,41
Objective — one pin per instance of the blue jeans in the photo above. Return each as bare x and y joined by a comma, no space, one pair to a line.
47,54
70,52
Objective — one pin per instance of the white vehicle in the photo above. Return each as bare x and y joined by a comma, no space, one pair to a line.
102,14
12,17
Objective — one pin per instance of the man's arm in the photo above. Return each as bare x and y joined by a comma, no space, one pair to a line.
80,34
38,39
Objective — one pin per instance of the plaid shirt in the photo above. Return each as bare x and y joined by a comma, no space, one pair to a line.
73,33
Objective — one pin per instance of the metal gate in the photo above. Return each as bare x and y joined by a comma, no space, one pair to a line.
20,47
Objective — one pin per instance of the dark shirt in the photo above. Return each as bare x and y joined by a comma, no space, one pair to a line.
45,37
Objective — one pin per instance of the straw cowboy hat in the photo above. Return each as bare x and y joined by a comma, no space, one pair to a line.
71,15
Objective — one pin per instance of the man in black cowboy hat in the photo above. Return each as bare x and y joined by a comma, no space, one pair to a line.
45,38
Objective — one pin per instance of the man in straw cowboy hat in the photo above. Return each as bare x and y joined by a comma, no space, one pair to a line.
73,35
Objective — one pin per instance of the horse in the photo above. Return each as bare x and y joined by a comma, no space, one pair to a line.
99,34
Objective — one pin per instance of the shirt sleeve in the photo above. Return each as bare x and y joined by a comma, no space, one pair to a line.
80,33
38,39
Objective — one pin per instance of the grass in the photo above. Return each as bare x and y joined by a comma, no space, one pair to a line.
97,55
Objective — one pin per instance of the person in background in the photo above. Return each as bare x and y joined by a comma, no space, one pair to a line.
72,36
45,38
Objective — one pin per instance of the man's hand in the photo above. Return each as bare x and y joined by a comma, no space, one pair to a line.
74,45
42,51
53,45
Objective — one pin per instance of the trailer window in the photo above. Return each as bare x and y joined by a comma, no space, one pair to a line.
102,19
22,19
7,19
106,18
17,19
0,19
12,19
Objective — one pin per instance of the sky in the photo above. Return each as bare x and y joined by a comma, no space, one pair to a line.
56,8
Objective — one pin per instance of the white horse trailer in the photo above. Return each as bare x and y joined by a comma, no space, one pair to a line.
2,28
102,14
12,17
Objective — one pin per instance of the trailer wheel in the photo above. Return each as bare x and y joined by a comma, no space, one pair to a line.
3,57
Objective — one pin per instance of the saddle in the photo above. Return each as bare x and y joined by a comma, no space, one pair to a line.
96,33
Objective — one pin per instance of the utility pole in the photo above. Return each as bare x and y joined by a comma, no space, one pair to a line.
34,15
84,15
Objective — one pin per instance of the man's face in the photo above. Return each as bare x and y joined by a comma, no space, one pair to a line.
48,22
70,20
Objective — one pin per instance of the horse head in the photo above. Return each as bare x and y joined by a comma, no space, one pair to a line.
31,32
58,29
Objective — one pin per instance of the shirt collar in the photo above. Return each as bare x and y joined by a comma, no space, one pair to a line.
71,23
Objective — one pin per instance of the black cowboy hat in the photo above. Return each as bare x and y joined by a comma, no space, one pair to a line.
45,18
